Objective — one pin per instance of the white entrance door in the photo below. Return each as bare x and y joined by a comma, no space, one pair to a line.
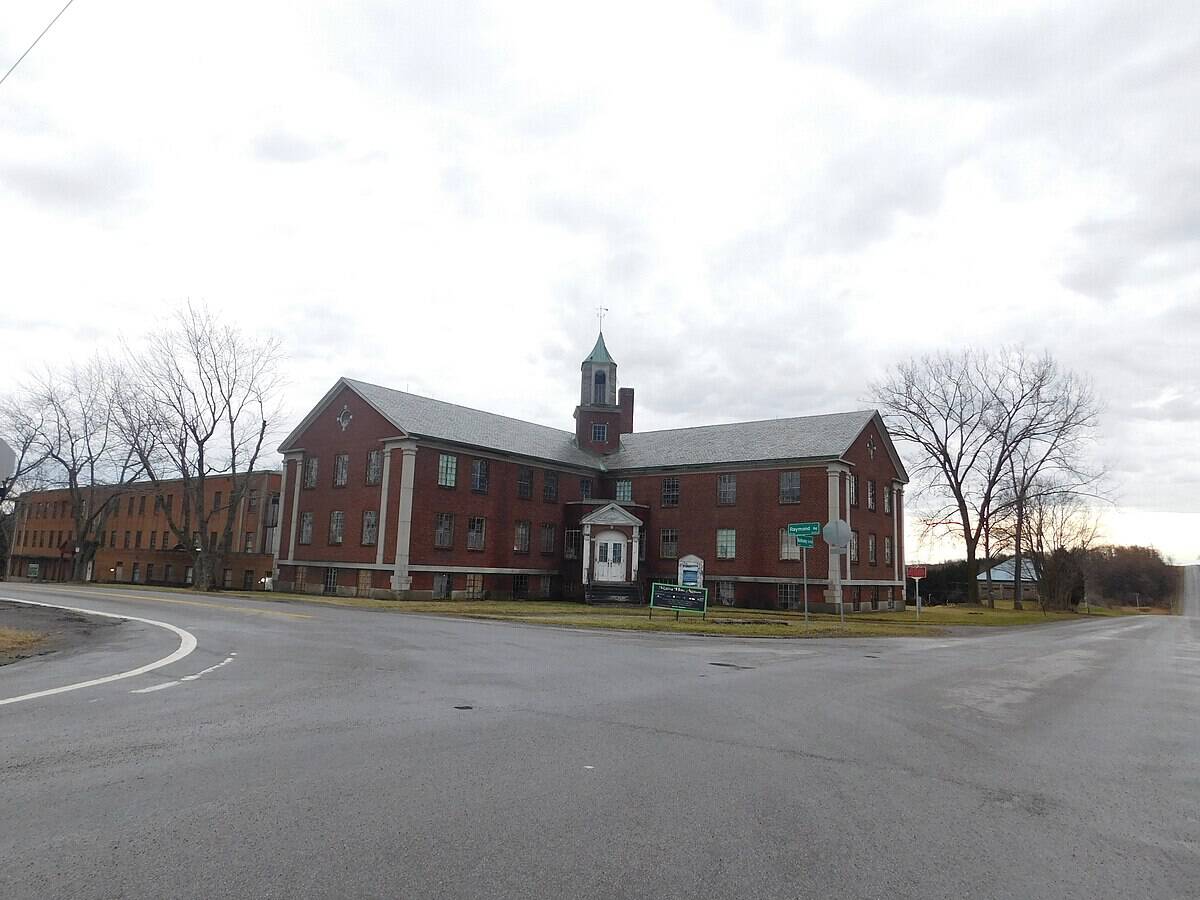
608,557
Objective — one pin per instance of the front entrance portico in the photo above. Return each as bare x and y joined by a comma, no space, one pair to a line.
611,542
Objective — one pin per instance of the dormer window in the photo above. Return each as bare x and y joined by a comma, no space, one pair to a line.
599,432
600,388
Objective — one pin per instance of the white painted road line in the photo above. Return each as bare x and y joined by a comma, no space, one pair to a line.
187,643
155,687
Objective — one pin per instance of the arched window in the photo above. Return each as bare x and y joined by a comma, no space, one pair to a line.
599,388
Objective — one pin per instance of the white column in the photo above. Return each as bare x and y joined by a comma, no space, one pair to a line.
834,592
587,551
637,529
401,580
298,459
381,538
895,533
277,539
849,475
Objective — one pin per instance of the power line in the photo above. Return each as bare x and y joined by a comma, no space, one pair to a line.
35,42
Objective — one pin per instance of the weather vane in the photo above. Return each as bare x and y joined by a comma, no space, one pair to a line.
600,311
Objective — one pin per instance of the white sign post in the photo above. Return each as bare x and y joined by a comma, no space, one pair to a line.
916,573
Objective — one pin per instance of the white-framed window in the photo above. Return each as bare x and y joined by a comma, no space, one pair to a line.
789,487
549,537
547,587
479,476
474,586
306,527
227,578
853,546
585,489
442,583
726,543
668,543
154,540
447,470
725,593
443,530
787,545
524,482
337,526
887,499
871,557
887,549
521,537
787,593
476,526
871,494
520,585
374,466
550,487
573,543
341,469
670,491
599,432
247,545
852,487
370,527
311,464
624,490
726,489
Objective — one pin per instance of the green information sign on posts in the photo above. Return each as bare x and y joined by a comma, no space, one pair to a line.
678,597
805,534
804,529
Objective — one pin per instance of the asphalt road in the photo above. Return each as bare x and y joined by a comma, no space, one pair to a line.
320,753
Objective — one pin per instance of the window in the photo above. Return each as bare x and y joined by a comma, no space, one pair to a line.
624,490
547,587
227,578
585,489
670,491
310,471
306,526
337,525
248,543
216,501
137,572
600,388
853,546
852,488
443,530
726,490
112,539
153,540
599,432
725,593
871,494
789,487
188,575
787,546
341,469
617,551
442,582
168,573
726,543
370,527
524,482
871,558
520,585
170,501
475,532
549,537
573,544
252,500
374,466
887,500
128,539
550,487
212,540
137,540
447,470
479,476
248,580
788,595
474,587
887,549
668,543
602,552
130,512
521,537
167,542
141,505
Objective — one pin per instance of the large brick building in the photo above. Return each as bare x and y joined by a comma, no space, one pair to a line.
135,544
386,493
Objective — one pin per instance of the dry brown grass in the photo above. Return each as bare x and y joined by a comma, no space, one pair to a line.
14,640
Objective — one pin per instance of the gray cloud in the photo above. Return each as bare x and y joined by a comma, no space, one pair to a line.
287,147
96,183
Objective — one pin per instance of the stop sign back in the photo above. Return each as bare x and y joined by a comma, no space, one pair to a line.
914,571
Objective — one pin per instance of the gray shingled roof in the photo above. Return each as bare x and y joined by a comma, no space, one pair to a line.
808,437
424,417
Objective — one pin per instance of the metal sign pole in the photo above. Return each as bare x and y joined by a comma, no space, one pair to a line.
804,554
918,581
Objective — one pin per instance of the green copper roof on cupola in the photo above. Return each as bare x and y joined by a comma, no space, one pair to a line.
599,353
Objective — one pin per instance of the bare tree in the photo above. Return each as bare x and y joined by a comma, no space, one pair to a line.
197,402
20,424
1061,532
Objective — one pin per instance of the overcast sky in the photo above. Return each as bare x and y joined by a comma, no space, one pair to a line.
774,204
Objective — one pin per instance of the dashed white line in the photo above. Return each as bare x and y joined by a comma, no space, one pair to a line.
155,687
187,643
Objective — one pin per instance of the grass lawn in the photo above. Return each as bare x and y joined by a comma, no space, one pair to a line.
14,641
721,620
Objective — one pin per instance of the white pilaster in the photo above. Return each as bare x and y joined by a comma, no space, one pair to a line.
298,459
401,579
587,551
834,593
277,538
895,533
381,538
634,556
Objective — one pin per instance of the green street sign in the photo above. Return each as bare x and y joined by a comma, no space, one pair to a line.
805,541
808,529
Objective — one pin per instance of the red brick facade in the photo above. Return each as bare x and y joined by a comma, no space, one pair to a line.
444,532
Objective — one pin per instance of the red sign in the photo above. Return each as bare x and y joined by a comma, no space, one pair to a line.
914,571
